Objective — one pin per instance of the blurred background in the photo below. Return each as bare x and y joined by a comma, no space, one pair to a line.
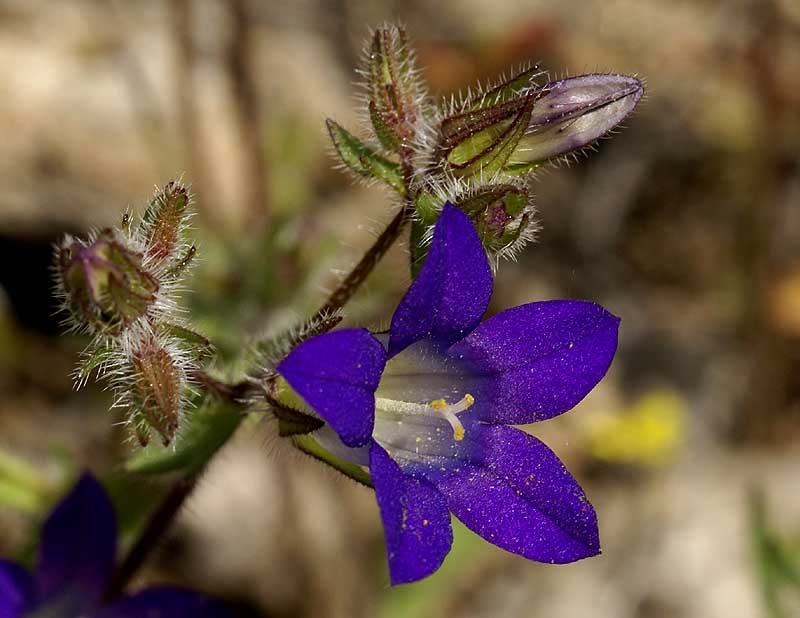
686,224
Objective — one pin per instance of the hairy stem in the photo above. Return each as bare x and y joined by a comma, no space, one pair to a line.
352,282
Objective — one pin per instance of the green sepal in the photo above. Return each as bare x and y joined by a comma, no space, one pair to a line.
427,208
494,158
481,141
507,90
417,249
293,422
364,161
294,416
310,446
383,132
206,430
199,344
521,169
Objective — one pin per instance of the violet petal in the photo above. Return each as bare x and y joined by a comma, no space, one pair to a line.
16,590
522,499
415,519
451,292
78,546
337,374
539,359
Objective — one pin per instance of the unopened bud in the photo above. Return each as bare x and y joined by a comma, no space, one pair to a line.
163,222
501,213
103,283
572,113
156,387
393,88
517,126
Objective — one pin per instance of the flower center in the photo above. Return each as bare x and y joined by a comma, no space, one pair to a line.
437,408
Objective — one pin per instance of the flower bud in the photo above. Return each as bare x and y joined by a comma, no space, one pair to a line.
501,213
393,90
516,126
156,389
572,113
103,283
163,222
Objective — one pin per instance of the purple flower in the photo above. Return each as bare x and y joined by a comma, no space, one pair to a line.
426,407
75,561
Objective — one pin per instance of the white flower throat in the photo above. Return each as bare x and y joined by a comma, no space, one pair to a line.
419,405
437,407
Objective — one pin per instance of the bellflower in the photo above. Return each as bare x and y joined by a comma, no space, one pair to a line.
427,407
75,561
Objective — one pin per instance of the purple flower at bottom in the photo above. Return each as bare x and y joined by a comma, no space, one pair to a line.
76,558
426,408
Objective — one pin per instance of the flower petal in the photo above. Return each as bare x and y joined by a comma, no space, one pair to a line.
539,359
415,519
78,546
522,498
337,374
16,590
451,292
165,603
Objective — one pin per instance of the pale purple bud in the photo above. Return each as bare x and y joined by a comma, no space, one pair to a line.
572,113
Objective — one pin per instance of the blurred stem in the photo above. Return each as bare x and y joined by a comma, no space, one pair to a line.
766,409
159,522
185,92
239,62
179,491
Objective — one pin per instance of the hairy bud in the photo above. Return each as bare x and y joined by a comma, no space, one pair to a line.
155,388
163,223
103,283
516,126
121,287
572,113
502,214
393,89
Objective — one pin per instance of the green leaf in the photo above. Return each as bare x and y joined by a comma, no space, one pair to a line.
364,161
22,485
21,498
310,446
207,429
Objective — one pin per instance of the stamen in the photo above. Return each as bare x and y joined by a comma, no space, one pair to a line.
439,407
449,413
